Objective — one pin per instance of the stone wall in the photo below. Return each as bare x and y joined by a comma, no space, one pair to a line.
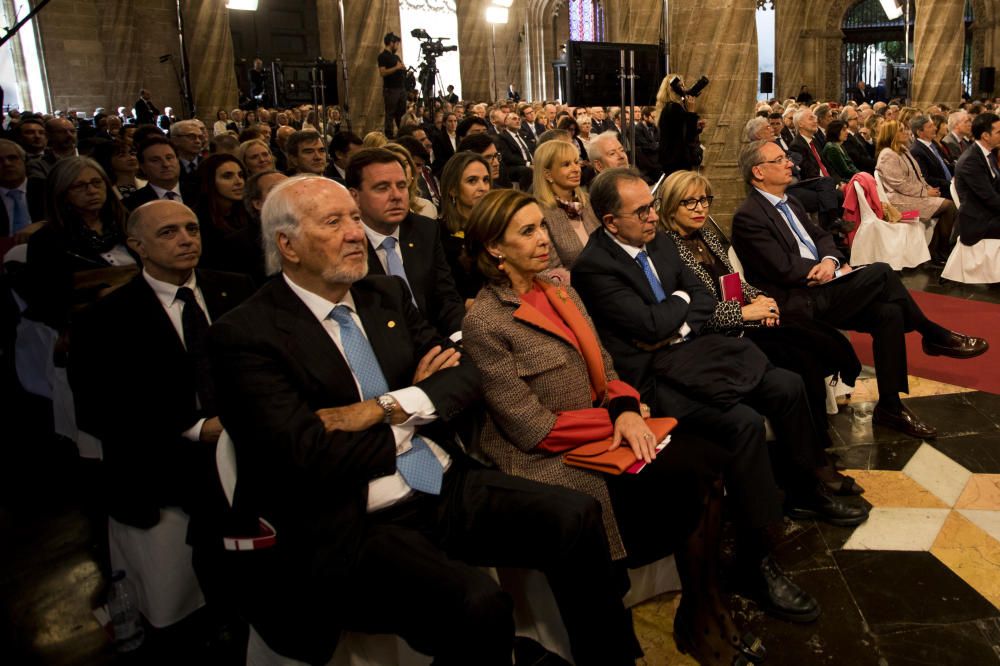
474,41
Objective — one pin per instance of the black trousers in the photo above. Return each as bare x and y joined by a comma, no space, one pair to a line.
395,107
873,300
417,572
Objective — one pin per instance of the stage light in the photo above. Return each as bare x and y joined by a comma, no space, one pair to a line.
892,9
497,15
243,5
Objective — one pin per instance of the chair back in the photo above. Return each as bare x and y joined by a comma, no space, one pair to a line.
954,194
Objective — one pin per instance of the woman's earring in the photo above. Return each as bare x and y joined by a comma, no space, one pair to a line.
500,261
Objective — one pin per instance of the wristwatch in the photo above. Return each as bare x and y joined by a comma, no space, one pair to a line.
387,403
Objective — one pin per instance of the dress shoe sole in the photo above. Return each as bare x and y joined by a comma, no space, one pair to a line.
809,514
954,353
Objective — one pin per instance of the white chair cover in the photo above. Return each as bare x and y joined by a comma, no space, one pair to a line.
158,562
901,245
978,264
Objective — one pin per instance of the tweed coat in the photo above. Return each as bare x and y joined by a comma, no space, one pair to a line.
530,372
905,185
566,243
728,315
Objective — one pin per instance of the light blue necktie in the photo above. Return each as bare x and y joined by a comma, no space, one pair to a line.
419,467
794,224
647,270
20,218
394,264
947,171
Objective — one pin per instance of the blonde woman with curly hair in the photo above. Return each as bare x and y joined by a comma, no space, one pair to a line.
563,202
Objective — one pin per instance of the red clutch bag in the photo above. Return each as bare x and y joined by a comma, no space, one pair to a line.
596,456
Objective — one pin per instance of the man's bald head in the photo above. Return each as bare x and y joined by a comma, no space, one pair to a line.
166,236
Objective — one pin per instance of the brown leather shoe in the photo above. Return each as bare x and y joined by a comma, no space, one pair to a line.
905,422
956,346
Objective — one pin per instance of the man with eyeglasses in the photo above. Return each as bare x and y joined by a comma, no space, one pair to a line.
796,263
186,137
485,145
649,310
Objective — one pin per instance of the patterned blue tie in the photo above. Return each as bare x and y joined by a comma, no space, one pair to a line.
20,218
394,263
944,166
794,224
647,270
419,467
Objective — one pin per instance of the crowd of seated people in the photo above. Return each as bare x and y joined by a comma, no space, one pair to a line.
402,339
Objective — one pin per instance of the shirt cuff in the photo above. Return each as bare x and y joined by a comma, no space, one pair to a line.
680,293
194,432
415,402
836,262
684,330
456,337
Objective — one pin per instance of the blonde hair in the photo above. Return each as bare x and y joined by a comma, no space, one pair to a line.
674,189
665,95
375,140
546,157
888,137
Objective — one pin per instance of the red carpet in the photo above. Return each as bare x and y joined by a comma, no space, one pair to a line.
958,314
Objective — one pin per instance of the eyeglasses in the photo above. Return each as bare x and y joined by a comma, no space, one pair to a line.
494,157
780,161
692,204
642,212
77,188
188,136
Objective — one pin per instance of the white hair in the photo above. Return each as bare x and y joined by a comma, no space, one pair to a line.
799,115
595,149
280,214
181,125
753,126
955,118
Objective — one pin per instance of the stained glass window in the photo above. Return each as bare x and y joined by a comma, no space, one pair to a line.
582,21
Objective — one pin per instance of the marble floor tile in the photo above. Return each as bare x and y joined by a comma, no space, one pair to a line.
982,492
979,453
987,521
986,403
961,644
938,473
971,553
894,489
898,529
881,455
653,621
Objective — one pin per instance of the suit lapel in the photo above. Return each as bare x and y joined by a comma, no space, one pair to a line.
629,267
149,307
778,221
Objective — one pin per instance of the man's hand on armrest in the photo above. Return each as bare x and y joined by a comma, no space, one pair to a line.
822,272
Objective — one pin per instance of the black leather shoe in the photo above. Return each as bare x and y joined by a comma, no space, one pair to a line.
905,422
956,346
823,505
777,594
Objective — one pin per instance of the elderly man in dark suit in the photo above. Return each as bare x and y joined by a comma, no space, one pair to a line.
23,209
649,309
402,243
796,263
958,140
144,111
516,154
977,180
925,151
805,151
140,374
338,396
854,146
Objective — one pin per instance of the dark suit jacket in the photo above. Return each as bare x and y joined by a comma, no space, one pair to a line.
34,199
857,149
625,311
145,112
275,366
770,254
511,151
531,138
146,193
931,168
135,388
427,272
443,151
955,147
979,197
808,166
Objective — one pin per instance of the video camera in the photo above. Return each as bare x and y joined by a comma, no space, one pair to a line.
431,46
693,91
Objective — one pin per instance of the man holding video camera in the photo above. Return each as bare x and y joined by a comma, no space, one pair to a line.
680,129
393,73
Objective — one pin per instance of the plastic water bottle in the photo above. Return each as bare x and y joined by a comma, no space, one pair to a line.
125,618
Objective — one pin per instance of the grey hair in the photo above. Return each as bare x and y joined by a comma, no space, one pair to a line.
750,157
799,115
847,109
595,149
605,199
7,143
917,123
179,127
955,118
252,190
822,111
753,126
279,215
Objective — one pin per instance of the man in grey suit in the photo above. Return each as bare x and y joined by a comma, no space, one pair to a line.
959,130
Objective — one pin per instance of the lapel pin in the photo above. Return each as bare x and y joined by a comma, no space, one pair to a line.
224,294
391,324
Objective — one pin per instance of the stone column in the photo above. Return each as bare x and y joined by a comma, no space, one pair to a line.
938,46
725,49
366,23
474,35
789,68
635,21
209,45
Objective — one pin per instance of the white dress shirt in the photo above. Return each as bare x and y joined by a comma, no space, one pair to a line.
160,192
804,250
375,238
166,293
633,252
386,490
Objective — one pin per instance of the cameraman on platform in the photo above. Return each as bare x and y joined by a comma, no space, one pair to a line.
393,73
679,125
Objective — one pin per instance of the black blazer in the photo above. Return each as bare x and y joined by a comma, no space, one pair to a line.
979,196
146,193
427,272
857,149
531,138
443,151
931,168
34,199
135,389
770,254
511,151
808,166
275,365
625,311
680,143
